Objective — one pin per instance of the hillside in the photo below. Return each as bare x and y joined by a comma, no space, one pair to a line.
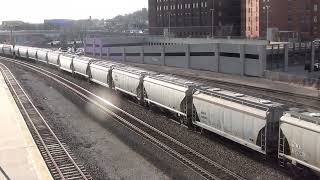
137,21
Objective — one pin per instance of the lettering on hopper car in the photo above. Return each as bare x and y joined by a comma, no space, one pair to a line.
204,115
298,152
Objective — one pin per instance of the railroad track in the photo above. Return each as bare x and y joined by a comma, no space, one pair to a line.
288,98
60,161
202,165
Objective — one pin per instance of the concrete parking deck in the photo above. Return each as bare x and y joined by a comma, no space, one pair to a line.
19,155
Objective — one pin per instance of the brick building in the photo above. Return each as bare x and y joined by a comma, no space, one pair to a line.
184,18
291,17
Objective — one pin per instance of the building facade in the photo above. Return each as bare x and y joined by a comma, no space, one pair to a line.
195,18
292,18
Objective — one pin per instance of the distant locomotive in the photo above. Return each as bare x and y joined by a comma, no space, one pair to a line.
264,126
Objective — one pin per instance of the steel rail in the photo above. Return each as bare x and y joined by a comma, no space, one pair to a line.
21,96
102,103
287,98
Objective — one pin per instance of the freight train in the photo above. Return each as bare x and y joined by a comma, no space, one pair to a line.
292,136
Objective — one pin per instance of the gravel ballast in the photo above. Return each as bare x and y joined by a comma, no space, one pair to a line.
241,160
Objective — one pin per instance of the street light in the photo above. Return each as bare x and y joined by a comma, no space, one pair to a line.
266,7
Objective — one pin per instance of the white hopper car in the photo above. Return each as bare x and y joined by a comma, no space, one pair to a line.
249,121
129,80
66,62
32,53
53,58
246,120
21,51
299,142
171,93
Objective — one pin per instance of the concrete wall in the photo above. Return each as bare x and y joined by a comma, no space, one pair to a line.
116,53
116,41
154,55
105,52
121,40
230,62
204,41
175,56
204,57
252,66
134,54
241,59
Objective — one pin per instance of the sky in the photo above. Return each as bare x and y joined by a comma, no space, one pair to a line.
35,11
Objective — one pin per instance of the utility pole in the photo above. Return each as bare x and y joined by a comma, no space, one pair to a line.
169,29
212,19
86,33
212,22
266,7
11,37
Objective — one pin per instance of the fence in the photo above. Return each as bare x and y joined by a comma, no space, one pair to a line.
296,53
294,79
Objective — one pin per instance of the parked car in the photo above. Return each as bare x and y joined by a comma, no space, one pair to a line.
63,49
79,52
317,67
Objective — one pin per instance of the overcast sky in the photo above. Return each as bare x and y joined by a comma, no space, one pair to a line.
35,11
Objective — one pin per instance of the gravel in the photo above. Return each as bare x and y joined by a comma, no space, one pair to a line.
103,145
239,159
